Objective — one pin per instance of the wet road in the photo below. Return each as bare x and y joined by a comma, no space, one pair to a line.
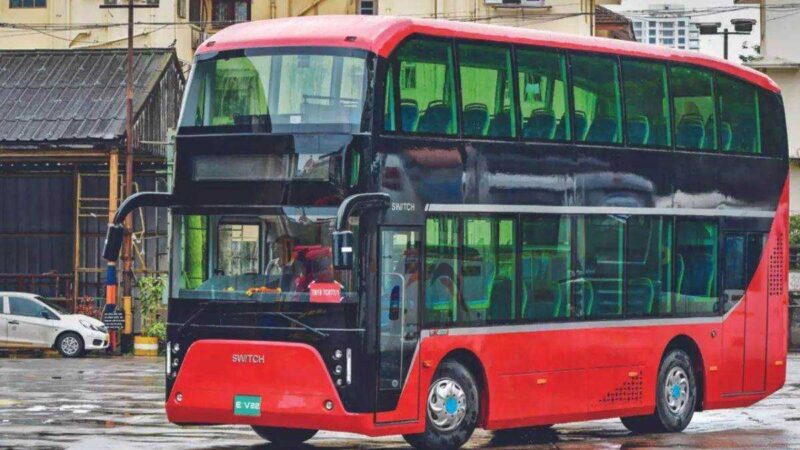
117,403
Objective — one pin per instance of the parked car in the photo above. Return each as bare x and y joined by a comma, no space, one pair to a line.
28,321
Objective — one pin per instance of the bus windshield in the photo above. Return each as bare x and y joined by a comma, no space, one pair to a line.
280,257
275,90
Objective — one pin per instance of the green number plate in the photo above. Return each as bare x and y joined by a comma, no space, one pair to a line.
246,405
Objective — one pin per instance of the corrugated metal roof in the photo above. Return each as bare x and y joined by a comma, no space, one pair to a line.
72,97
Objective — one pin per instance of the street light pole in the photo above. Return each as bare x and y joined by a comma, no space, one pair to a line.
127,246
740,26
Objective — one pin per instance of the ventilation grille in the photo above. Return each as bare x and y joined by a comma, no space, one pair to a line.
629,392
776,281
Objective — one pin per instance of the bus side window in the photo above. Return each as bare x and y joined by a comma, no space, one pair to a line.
441,263
773,124
646,104
693,108
738,113
543,97
596,93
485,75
696,243
427,87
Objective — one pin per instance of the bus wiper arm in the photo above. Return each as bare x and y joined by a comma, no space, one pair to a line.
291,319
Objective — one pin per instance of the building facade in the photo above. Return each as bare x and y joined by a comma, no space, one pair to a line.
184,24
668,31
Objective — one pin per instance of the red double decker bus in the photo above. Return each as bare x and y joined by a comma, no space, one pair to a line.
417,227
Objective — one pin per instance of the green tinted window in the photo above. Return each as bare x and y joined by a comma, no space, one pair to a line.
427,87
696,243
648,266
195,251
504,292
738,112
598,289
546,265
441,264
773,124
542,78
486,93
389,106
595,89
693,108
646,104
488,270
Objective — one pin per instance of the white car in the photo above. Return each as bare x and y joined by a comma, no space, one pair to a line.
27,321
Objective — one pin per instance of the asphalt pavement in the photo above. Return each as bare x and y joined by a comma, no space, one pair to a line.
100,403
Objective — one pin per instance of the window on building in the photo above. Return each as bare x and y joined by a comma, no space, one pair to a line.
682,32
599,257
27,3
486,90
366,7
427,87
696,243
596,94
646,104
668,41
681,41
648,265
546,266
240,250
651,32
667,33
739,116
441,265
668,25
693,108
230,11
681,23
652,40
652,23
543,95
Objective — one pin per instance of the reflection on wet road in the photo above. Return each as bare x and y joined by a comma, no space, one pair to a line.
117,403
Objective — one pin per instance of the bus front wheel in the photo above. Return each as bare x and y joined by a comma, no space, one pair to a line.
676,397
284,437
453,407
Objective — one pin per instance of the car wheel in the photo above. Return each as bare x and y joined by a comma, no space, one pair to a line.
284,437
70,345
453,407
676,397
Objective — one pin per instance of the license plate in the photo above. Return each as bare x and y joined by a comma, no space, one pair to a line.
247,405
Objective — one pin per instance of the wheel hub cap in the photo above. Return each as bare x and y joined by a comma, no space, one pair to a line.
69,345
447,404
676,390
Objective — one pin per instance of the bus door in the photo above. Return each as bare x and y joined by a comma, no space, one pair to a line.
398,326
745,331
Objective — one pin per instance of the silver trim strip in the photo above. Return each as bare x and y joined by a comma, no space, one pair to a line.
577,325
626,211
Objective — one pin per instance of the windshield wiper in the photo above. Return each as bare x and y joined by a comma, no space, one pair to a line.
290,319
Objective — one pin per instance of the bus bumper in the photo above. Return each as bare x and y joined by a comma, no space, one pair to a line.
276,384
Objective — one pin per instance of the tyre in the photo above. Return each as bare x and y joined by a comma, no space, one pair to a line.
70,345
284,437
453,408
525,435
676,397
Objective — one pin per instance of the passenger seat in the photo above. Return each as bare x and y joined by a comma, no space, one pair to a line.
690,132
475,119
540,125
436,119
409,114
501,124
638,130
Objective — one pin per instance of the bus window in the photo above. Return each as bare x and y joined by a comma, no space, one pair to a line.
194,251
693,108
546,264
595,90
239,249
646,104
485,75
648,266
738,113
773,124
696,243
543,102
441,263
388,102
598,289
427,87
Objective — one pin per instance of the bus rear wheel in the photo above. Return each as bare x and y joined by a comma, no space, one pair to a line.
284,437
676,397
453,407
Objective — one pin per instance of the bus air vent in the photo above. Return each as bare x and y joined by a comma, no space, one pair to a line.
776,281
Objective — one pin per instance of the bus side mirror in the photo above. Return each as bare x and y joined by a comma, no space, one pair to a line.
114,236
343,250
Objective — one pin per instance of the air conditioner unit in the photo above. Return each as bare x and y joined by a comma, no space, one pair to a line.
522,3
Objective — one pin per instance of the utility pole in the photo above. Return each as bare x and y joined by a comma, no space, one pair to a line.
127,246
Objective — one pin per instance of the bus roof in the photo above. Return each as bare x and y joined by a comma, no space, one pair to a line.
381,34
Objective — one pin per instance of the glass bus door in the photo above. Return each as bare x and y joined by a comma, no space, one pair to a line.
398,332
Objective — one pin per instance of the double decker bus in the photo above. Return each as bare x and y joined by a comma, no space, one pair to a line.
418,227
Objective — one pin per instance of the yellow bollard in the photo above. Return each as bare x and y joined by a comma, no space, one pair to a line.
127,307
